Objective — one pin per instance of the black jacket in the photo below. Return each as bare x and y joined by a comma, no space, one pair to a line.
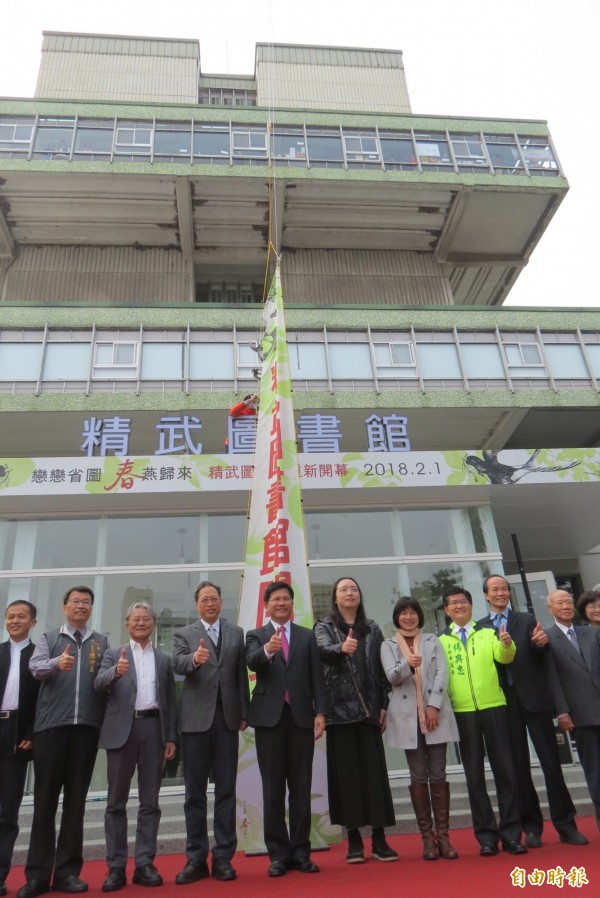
351,697
28,690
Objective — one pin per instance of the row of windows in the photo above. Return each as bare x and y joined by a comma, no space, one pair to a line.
223,96
84,139
140,359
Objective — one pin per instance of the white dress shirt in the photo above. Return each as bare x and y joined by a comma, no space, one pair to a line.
10,700
146,698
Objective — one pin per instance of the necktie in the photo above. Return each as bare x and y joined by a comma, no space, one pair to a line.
463,636
78,640
285,650
573,639
499,619
212,632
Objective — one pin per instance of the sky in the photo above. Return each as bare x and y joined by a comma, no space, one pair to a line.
530,59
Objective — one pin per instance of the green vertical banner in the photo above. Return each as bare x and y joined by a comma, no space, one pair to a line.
275,549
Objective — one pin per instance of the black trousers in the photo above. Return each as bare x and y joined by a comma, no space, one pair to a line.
587,740
285,756
489,727
541,729
13,770
63,758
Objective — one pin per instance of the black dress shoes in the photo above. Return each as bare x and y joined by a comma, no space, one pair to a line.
514,847
305,865
277,868
488,849
223,871
3,889
33,888
147,875
573,837
533,840
192,872
115,880
73,885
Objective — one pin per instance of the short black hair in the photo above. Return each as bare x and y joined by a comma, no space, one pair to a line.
85,589
274,586
401,605
491,577
456,591
203,585
30,605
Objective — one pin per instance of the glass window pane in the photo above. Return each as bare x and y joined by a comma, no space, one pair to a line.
593,351
211,361
438,361
211,143
350,361
52,543
93,140
20,361
53,140
67,361
531,354
162,361
307,361
124,354
104,354
401,354
482,360
173,143
326,147
513,354
566,361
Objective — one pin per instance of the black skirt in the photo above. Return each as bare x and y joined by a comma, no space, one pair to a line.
357,777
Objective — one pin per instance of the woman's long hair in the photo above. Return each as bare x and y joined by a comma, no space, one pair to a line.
360,625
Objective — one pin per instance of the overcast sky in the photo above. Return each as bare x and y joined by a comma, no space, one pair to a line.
530,59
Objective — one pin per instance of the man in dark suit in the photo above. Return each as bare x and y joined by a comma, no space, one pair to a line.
67,723
287,711
529,704
214,708
576,686
139,731
18,695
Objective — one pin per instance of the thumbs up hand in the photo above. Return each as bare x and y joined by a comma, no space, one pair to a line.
503,635
201,654
350,645
66,661
122,663
538,636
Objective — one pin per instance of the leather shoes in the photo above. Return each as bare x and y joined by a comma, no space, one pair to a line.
573,837
192,872
147,875
73,885
533,840
514,847
223,871
3,889
277,868
33,888
305,865
115,880
488,849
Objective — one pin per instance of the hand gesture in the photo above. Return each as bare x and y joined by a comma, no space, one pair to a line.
504,636
274,644
538,636
66,661
201,654
122,663
414,661
350,645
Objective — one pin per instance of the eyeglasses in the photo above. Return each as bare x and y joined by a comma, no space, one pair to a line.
83,602
456,604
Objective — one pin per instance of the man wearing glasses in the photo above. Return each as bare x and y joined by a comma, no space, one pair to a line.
480,709
214,708
67,723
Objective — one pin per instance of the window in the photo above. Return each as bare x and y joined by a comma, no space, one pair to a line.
288,147
469,152
53,138
15,135
361,147
524,358
20,361
115,360
247,360
133,141
504,154
211,143
482,361
307,361
94,137
438,361
432,150
397,150
538,156
350,361
211,361
162,361
324,147
67,361
249,143
173,140
566,362
395,359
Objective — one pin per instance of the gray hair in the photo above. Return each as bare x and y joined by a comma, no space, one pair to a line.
145,605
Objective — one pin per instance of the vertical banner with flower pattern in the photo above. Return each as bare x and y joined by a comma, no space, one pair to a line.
275,549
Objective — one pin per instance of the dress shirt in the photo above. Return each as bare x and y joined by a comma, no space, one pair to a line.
10,700
468,627
145,671
288,632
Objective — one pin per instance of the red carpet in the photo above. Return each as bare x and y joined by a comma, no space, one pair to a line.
411,877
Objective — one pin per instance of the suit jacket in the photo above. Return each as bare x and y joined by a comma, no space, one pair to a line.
28,689
225,672
402,723
576,688
531,668
302,676
121,692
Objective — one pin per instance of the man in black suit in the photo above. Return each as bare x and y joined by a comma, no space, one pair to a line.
18,695
576,686
287,711
139,730
214,709
530,708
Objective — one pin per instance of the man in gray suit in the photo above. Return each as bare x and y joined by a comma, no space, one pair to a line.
139,730
214,708
576,686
